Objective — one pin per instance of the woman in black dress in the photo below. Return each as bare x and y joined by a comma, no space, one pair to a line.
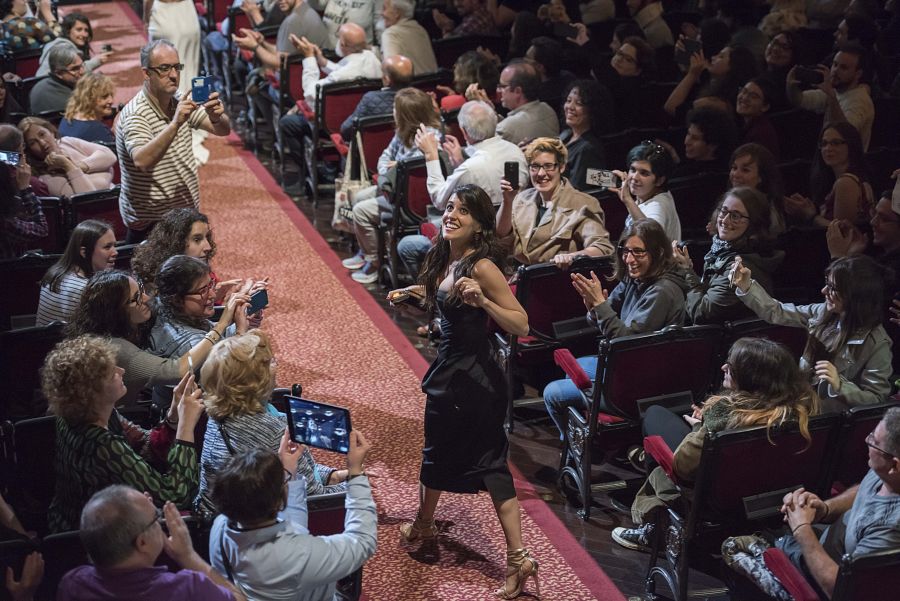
465,444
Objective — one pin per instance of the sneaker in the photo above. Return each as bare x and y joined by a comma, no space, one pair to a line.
638,459
355,262
638,539
295,189
367,275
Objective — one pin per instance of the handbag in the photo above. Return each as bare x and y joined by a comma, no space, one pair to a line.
349,190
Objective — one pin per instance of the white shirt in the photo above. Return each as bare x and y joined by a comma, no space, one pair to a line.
855,103
661,209
359,64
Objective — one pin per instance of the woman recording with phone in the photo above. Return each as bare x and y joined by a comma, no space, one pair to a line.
643,190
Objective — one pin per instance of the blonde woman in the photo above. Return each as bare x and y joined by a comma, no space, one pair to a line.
238,378
91,102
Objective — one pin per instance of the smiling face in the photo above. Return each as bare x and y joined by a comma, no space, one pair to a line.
457,225
732,221
79,33
105,253
200,301
880,460
625,61
197,244
720,63
636,258
833,302
136,303
104,106
576,113
695,146
545,172
642,183
40,142
779,52
834,149
751,101
744,172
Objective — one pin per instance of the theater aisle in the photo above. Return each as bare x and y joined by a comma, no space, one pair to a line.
332,337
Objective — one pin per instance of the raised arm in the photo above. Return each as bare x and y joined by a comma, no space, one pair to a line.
487,288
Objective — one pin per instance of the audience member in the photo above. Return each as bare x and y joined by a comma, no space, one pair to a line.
644,188
12,140
588,108
842,95
176,22
547,54
632,66
742,21
844,239
753,166
76,31
364,13
743,231
754,102
624,31
10,110
476,19
856,27
238,378
648,15
159,171
838,181
471,67
710,137
397,73
727,73
67,165
123,534
779,60
528,117
762,386
784,16
22,220
19,30
404,35
114,306
552,221
90,104
848,352
65,69
648,297
96,447
262,540
481,163
91,248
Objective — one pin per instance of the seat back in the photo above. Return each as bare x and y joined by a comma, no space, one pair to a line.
808,248
35,474
62,552
101,204
614,212
57,232
428,82
326,513
22,354
792,126
887,122
22,90
376,132
872,577
447,50
695,198
632,368
852,456
21,288
291,82
793,338
124,256
725,478
337,101
216,12
411,194
26,62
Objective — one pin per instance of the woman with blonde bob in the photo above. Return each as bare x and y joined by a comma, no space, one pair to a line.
238,379
90,103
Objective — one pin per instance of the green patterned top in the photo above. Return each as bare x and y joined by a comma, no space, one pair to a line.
90,458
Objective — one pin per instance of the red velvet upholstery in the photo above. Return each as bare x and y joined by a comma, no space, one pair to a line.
25,62
376,135
102,204
567,362
789,576
429,230
57,234
656,447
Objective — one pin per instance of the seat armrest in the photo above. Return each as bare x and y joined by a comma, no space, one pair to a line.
566,361
306,111
788,575
339,144
656,447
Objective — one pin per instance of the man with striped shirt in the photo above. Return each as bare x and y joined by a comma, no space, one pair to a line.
153,141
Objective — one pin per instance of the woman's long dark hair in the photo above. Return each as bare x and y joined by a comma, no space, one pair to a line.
484,245
69,22
175,280
84,236
821,176
758,236
103,307
168,238
598,102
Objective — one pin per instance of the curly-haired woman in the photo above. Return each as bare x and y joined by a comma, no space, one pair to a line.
90,103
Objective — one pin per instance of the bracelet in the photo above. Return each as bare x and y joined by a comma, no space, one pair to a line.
827,510
794,531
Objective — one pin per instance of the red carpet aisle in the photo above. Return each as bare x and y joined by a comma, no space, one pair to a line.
335,340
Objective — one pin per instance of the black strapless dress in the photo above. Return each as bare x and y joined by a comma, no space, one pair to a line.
466,446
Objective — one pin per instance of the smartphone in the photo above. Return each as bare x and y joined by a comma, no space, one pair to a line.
258,300
318,425
106,47
691,47
10,158
511,173
603,178
201,88
564,30
808,75
411,296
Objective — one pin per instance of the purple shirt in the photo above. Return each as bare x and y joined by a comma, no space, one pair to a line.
87,583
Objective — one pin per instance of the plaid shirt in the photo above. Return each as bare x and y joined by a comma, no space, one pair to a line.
479,22
21,230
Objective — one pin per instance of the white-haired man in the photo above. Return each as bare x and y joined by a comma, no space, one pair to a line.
405,36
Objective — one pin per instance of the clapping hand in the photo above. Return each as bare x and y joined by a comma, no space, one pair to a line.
844,239
304,46
475,92
800,206
32,574
248,39
591,291
453,149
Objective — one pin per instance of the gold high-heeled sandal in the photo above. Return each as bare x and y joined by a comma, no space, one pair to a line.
418,530
516,566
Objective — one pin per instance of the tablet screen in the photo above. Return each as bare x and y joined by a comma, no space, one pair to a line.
319,425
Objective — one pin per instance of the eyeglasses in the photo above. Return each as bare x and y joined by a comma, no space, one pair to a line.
879,218
157,518
73,70
503,86
626,57
138,298
162,70
637,253
836,142
204,291
732,215
870,442
547,167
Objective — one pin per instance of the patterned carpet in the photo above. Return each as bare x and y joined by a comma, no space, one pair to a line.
332,337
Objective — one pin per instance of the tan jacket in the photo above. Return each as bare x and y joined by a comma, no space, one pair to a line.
574,222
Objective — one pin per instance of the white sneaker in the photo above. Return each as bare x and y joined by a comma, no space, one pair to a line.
367,275
355,262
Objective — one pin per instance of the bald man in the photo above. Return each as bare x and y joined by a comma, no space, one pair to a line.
397,74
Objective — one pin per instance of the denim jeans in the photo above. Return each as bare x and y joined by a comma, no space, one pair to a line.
559,395
412,251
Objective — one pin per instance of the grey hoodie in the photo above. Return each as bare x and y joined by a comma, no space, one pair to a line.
637,307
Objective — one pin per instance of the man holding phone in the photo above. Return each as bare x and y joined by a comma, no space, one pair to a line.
159,171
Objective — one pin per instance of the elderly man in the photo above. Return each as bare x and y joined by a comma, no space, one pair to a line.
153,141
403,35
480,163
123,534
397,74
52,93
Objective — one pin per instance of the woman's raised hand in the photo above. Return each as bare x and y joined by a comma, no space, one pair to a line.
698,63
426,142
591,291
624,191
740,275
681,255
470,291
190,403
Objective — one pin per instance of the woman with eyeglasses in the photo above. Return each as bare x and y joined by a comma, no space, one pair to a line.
115,306
762,386
644,188
838,181
552,221
238,378
779,58
96,447
631,66
754,166
848,352
714,82
649,296
743,228
754,102
67,165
